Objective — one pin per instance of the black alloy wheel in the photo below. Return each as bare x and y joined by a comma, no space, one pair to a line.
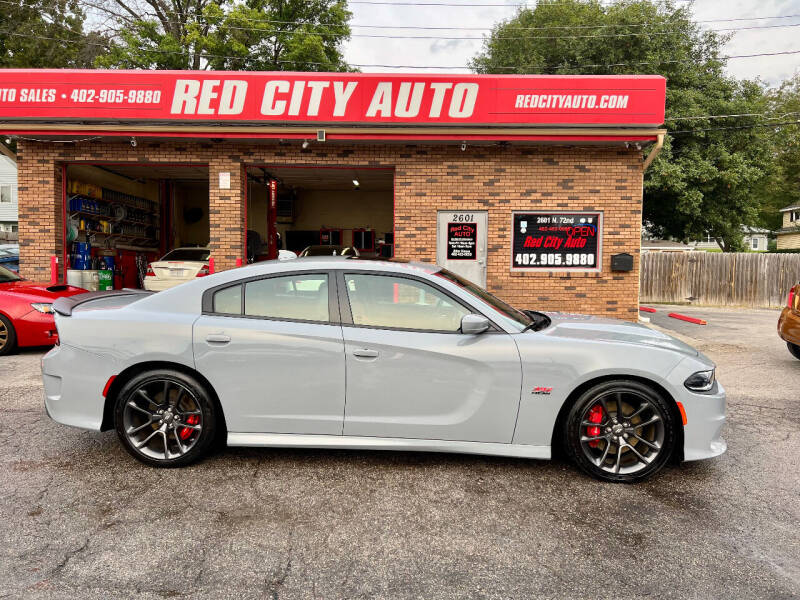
8,336
620,431
794,349
165,418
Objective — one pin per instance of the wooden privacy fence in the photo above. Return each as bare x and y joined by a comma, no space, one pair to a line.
713,278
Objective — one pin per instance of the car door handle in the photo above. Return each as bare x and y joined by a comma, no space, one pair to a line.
365,353
218,338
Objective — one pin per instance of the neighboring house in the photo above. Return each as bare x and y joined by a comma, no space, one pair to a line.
8,190
789,234
664,246
756,239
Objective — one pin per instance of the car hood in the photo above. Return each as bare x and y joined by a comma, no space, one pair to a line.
599,329
43,292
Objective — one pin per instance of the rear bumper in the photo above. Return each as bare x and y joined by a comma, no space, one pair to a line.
789,325
154,284
71,400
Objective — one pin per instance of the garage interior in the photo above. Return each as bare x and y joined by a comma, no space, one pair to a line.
322,206
122,217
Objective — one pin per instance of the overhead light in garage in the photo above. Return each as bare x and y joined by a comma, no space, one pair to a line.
305,144
355,183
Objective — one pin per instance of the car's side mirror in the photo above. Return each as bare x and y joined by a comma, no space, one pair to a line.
474,324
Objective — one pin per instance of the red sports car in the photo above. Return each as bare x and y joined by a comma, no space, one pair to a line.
26,317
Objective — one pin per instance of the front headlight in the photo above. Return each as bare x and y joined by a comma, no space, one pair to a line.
42,307
702,381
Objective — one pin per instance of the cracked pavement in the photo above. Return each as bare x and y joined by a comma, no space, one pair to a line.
79,518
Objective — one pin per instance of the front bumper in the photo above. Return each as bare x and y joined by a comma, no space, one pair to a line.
705,417
36,329
789,326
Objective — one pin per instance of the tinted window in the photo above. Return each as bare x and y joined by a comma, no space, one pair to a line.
302,297
396,302
505,309
229,301
191,254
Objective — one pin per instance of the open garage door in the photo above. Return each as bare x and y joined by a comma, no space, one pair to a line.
339,207
120,218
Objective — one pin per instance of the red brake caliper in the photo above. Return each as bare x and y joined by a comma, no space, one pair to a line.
595,416
186,432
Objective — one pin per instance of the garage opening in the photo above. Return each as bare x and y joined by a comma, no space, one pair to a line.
340,208
122,218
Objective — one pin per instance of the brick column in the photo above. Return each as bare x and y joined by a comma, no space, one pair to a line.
40,222
226,209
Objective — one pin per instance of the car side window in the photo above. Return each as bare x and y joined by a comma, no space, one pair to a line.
302,297
401,303
228,301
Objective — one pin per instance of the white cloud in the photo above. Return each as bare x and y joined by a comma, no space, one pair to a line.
443,52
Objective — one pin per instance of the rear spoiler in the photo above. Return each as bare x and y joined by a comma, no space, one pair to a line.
66,304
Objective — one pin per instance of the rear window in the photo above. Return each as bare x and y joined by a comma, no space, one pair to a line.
189,254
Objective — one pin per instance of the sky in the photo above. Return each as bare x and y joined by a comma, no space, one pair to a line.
439,52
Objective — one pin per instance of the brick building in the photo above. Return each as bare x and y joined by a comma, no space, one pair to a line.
531,190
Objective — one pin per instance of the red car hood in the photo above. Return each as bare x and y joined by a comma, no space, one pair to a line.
43,292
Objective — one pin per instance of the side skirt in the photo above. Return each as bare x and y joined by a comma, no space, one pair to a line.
291,440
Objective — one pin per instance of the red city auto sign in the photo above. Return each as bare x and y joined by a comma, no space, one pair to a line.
48,95
556,241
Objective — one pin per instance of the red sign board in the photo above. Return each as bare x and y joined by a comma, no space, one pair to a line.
281,97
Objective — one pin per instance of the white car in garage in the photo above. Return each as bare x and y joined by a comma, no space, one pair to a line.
177,266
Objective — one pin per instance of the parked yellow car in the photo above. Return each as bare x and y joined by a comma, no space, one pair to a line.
789,322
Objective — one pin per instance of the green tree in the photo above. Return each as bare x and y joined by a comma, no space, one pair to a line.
298,35
45,34
703,181
783,187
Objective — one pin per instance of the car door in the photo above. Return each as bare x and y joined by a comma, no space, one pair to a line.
412,374
272,348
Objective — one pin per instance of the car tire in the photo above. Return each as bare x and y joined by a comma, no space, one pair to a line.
622,448
794,349
8,336
156,409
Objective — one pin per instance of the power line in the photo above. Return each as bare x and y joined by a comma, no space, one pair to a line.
517,38
730,116
384,66
754,126
456,28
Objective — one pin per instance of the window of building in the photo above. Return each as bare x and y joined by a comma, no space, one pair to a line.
5,193
400,303
755,243
794,216
302,297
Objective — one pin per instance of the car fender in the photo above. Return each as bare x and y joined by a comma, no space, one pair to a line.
553,368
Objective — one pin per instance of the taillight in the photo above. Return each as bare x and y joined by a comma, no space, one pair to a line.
203,271
790,301
150,272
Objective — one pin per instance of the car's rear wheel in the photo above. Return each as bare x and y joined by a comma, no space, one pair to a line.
8,337
793,348
165,418
620,431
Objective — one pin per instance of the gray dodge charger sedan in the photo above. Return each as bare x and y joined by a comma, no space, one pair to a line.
335,352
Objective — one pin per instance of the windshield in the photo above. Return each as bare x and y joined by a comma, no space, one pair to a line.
7,275
191,254
519,317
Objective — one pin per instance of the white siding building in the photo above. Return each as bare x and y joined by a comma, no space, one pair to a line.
9,212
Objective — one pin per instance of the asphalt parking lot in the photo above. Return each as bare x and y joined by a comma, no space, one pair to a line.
80,518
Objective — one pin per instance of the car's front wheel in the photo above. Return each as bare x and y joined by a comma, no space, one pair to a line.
620,431
794,349
8,337
165,418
